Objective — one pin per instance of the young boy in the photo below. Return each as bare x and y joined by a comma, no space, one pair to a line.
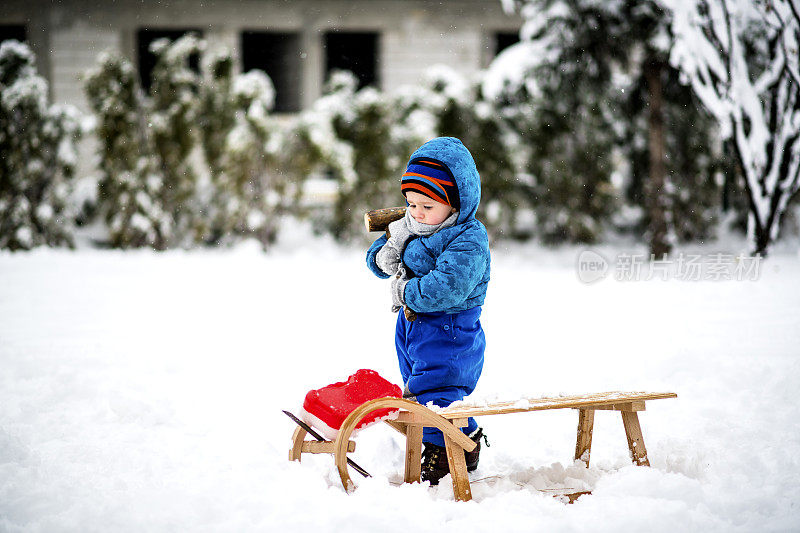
439,257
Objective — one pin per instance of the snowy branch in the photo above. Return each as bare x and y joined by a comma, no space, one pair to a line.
741,59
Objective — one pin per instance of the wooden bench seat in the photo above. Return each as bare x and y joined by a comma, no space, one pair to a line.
413,417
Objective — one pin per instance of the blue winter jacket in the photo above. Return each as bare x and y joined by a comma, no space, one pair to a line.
450,267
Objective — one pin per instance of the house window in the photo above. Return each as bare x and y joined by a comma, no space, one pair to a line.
279,55
147,60
353,51
503,40
13,31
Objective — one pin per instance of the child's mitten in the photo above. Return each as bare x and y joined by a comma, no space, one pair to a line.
388,257
400,231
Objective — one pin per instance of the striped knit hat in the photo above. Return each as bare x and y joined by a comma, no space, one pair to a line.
431,178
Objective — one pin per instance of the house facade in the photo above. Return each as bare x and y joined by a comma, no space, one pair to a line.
386,43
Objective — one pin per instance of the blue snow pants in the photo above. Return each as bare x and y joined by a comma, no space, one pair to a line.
441,358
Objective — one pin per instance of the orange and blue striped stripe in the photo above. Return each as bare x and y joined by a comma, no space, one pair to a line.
431,178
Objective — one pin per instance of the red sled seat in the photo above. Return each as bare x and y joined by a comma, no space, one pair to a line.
325,409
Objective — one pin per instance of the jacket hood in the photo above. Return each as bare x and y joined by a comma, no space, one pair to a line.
454,155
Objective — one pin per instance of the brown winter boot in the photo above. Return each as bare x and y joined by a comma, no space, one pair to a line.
473,456
434,458
434,463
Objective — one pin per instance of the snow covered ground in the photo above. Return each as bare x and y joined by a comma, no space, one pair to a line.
142,392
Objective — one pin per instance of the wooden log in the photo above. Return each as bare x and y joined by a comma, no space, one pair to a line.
413,454
583,447
633,432
458,470
379,219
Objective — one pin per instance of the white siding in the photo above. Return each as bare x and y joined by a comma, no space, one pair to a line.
74,51
418,42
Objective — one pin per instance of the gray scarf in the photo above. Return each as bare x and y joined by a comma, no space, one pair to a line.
423,230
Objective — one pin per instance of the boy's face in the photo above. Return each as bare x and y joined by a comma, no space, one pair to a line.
427,210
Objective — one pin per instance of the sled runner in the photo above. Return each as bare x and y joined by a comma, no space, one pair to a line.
409,418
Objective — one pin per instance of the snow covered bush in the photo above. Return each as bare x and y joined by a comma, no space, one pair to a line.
255,168
199,159
131,182
216,118
742,59
368,125
258,166
37,143
174,107
147,186
365,137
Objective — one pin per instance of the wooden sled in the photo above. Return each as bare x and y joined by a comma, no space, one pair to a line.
413,417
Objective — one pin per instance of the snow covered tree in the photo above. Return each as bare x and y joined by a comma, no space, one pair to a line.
694,165
570,163
37,143
612,57
131,183
639,31
742,59
556,96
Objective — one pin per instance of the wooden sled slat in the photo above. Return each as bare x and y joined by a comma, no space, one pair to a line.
596,401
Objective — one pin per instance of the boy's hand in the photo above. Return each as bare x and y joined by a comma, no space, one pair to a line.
388,259
389,256
398,288
399,233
